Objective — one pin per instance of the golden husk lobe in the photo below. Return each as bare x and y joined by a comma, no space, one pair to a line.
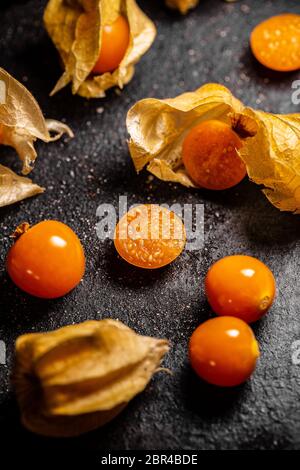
79,377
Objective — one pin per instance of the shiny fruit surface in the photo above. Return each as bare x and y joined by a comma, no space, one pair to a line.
114,43
223,351
47,260
240,286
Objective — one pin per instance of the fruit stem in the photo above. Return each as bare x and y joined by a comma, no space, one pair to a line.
22,228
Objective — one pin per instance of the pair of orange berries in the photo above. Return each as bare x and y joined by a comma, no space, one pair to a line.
240,289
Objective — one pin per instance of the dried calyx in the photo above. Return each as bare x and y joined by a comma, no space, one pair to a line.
21,124
21,228
79,377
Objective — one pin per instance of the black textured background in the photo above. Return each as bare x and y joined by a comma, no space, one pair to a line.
179,411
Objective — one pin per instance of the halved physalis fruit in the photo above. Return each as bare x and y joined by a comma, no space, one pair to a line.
149,236
114,43
276,42
210,155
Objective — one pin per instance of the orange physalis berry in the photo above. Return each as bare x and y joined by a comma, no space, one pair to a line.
223,351
114,43
276,42
210,155
240,286
47,260
149,236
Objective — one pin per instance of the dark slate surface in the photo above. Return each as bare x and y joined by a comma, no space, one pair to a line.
175,412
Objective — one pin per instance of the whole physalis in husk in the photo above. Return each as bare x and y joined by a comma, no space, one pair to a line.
21,124
209,139
99,42
79,377
182,5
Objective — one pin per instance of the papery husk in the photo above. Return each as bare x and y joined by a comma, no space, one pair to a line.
272,158
271,143
21,124
182,5
79,377
14,188
75,28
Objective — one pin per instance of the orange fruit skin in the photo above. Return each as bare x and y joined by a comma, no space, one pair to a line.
114,43
223,351
275,42
210,155
149,236
47,261
240,286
